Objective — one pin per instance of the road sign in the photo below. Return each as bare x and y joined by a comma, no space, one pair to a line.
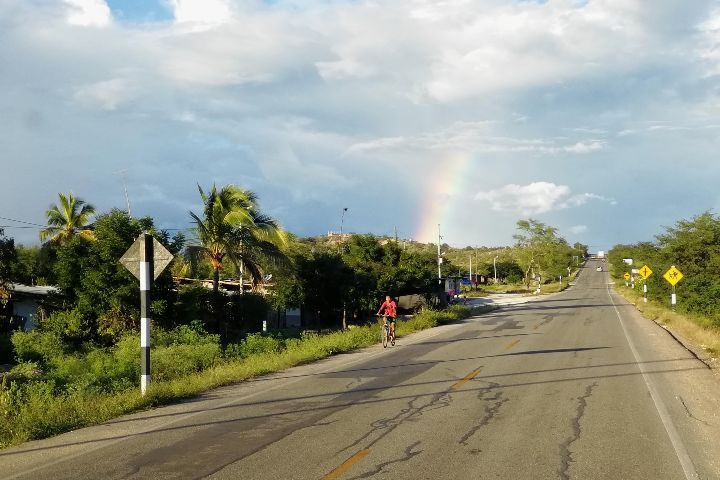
161,258
673,276
626,276
645,272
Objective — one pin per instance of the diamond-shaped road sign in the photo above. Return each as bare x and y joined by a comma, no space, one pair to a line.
673,276
161,258
645,272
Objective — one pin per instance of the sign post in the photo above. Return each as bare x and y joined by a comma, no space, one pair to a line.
146,259
627,279
673,276
645,272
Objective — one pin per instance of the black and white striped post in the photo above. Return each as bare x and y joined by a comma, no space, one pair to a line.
146,281
145,259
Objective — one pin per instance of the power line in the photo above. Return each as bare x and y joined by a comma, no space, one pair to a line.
22,221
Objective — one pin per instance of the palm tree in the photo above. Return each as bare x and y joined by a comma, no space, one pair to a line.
232,226
67,219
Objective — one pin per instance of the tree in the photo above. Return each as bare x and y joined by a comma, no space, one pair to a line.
8,256
232,226
540,249
100,289
68,219
34,264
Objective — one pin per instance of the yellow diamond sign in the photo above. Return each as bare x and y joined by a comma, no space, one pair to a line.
627,276
673,276
645,272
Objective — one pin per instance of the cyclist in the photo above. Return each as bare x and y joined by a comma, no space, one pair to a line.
390,310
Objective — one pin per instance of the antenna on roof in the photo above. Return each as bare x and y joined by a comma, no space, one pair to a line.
122,174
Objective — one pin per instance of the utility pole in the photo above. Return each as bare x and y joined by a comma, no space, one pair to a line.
495,267
439,258
342,220
396,236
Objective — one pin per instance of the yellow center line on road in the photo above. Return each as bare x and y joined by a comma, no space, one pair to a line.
347,464
466,379
511,345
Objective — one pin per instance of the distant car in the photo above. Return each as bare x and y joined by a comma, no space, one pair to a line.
598,269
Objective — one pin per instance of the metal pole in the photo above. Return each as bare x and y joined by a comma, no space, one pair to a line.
645,291
342,220
439,259
495,267
673,299
471,277
146,280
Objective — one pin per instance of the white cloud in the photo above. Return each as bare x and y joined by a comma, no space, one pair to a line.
535,198
201,11
578,229
474,137
316,101
304,179
585,147
88,13
106,95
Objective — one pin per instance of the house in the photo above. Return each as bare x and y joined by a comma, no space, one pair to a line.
23,306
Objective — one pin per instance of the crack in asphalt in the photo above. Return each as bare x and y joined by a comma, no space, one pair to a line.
409,454
356,380
491,410
566,457
690,413
405,414
546,319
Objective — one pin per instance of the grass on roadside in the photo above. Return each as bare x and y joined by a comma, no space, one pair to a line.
37,409
691,327
520,288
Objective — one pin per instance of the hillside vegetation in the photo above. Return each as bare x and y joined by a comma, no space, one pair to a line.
693,247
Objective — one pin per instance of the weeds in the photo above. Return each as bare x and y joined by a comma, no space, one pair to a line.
699,330
85,389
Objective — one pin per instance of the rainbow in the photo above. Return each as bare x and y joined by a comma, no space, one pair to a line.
442,194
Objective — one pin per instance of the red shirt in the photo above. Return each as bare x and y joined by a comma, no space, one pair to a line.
390,308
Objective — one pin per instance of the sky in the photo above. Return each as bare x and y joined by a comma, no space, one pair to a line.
599,117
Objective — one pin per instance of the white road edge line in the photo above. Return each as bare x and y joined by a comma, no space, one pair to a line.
678,445
107,443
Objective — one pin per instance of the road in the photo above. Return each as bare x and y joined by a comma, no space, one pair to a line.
574,386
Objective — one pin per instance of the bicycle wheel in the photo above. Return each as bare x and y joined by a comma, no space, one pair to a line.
392,339
385,335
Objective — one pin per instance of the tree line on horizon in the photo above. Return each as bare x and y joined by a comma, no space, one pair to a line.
231,238
691,245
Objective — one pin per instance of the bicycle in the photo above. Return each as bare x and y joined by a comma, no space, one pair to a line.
386,334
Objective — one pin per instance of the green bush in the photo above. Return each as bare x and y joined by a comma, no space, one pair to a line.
193,334
253,344
180,360
84,389
247,311
67,324
26,371
193,302
37,346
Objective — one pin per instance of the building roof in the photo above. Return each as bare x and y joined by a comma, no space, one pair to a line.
39,290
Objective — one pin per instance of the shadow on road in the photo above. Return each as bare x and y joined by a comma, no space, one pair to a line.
366,395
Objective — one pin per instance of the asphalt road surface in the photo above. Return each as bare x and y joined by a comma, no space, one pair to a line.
574,386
